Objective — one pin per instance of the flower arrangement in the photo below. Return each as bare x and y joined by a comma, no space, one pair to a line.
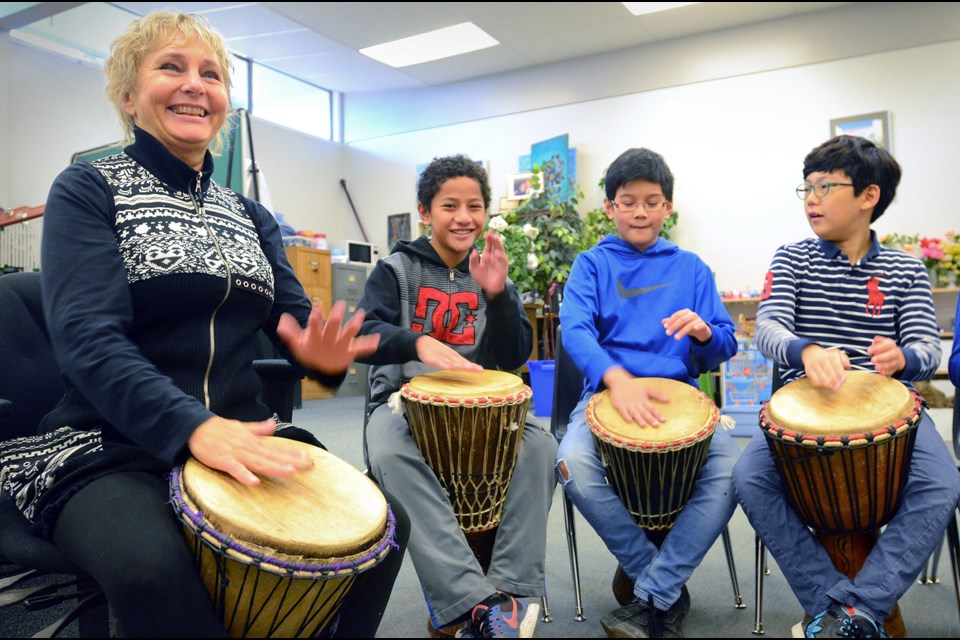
541,237
941,256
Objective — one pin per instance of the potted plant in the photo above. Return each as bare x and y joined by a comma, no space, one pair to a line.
542,237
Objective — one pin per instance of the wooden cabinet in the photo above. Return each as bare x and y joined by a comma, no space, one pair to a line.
313,270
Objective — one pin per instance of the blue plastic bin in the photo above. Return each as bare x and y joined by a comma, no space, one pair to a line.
541,381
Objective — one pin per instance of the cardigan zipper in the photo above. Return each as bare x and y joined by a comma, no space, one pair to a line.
197,198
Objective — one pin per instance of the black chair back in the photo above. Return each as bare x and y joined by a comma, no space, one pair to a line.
31,378
567,388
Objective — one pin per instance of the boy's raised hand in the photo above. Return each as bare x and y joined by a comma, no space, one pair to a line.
886,356
436,354
632,399
490,270
825,367
687,323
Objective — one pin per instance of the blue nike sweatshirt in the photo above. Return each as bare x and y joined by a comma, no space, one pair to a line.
614,302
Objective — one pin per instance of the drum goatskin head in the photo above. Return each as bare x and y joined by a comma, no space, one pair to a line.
690,414
467,384
865,402
328,510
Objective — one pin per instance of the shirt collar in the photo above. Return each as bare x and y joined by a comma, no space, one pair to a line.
832,251
158,160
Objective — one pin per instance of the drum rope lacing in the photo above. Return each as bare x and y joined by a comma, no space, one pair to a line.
203,529
849,440
486,401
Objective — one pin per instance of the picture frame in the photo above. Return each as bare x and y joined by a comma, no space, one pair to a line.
519,187
398,228
872,126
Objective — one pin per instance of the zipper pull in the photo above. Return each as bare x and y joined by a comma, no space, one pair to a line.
199,192
452,274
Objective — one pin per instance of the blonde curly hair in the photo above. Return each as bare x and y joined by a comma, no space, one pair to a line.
143,34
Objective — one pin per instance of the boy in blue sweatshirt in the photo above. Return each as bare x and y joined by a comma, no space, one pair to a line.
637,306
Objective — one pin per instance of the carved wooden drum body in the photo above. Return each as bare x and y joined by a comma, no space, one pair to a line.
279,559
468,427
654,469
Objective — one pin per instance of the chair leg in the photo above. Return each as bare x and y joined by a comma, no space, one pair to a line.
953,538
545,610
929,573
761,567
572,548
728,550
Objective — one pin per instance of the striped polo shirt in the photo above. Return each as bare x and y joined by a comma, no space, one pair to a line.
813,295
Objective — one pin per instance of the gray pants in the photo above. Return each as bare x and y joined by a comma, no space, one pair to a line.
450,576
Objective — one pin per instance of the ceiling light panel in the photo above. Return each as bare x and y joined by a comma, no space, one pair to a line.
433,45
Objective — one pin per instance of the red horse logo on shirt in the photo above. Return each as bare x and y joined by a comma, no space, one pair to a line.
767,286
874,297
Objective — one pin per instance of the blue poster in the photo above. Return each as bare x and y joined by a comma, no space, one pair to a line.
524,164
551,158
572,169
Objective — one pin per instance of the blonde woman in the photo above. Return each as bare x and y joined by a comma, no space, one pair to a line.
155,283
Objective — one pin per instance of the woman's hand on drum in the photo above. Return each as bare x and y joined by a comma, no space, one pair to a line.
327,346
432,352
240,449
886,356
490,270
825,367
687,323
631,398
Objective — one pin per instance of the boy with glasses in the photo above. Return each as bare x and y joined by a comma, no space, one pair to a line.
637,306
833,303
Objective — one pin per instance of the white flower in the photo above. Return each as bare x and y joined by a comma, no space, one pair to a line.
497,223
530,231
532,261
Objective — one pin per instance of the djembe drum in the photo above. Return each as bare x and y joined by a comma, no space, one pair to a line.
653,469
468,427
280,558
844,457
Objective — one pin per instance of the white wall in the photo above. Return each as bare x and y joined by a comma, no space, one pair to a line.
303,176
735,146
54,108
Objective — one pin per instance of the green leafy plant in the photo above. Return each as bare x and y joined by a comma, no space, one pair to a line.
541,237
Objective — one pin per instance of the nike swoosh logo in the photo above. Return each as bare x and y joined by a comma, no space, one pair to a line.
512,621
623,292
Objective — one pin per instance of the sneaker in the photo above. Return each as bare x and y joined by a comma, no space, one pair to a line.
501,616
672,619
636,620
844,621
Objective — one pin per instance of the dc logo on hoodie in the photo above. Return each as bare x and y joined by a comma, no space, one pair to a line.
447,317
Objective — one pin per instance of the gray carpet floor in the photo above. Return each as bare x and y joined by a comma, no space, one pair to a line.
929,611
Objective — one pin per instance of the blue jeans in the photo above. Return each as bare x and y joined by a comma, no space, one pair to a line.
657,573
928,501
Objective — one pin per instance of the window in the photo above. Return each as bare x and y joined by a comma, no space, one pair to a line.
290,102
85,33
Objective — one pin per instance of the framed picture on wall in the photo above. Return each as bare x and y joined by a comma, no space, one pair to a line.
398,228
872,126
520,185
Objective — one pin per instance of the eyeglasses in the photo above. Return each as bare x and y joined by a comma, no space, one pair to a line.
820,188
630,207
